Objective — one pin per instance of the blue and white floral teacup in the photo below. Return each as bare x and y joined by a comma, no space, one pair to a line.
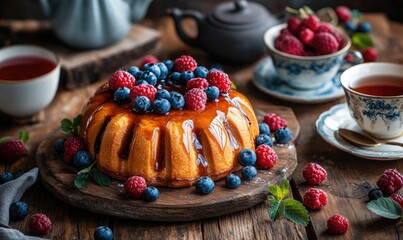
374,94
308,72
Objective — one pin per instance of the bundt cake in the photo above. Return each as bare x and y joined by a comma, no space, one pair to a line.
172,149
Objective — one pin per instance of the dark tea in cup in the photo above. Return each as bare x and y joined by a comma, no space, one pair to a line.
379,85
25,67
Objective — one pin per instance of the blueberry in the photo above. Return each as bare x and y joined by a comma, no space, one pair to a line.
185,77
247,157
144,82
164,70
138,75
162,93
364,27
282,135
151,194
133,70
204,185
122,95
212,93
149,77
249,172
201,72
59,145
6,177
151,67
141,104
161,106
177,100
82,159
175,77
263,139
375,194
350,26
232,181
103,233
18,210
264,129
169,64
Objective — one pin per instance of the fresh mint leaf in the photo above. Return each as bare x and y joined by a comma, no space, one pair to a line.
66,125
279,191
362,40
23,136
385,207
296,212
276,210
271,198
100,178
77,121
86,170
284,187
80,181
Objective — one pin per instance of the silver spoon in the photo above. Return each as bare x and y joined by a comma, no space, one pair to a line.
363,140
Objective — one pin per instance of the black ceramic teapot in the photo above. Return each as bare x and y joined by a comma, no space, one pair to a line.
232,32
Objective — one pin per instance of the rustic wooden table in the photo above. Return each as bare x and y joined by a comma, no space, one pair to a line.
349,177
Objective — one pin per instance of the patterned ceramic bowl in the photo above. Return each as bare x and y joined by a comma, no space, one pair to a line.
374,93
307,72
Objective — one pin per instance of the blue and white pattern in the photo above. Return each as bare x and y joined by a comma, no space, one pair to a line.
266,79
317,67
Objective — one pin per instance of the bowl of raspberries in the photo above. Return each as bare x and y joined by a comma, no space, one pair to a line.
307,52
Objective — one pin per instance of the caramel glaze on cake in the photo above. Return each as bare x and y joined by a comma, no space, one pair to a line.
171,150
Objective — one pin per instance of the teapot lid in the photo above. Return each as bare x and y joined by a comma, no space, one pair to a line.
238,13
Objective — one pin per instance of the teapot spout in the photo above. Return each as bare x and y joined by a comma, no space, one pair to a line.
138,9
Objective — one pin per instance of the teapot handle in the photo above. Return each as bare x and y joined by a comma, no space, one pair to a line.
178,16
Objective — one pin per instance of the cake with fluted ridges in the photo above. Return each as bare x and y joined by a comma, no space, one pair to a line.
171,150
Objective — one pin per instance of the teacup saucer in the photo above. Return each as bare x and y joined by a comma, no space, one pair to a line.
338,117
266,80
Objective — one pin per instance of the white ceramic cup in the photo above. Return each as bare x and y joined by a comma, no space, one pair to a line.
380,116
24,98
308,72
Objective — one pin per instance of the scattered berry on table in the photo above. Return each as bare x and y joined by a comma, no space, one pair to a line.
274,121
135,187
185,63
343,13
266,157
143,90
325,43
219,79
375,194
121,79
263,139
40,224
364,27
71,147
164,70
82,159
264,128
204,185
246,157
148,59
282,135
18,210
133,70
201,72
59,145
103,233
314,174
370,54
152,68
337,224
122,95
197,83
161,106
177,100
248,172
195,99
149,77
397,198
315,198
6,177
212,93
232,181
141,104
350,26
12,150
162,93
390,181
151,194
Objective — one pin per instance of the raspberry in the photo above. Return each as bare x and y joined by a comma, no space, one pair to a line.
266,157
325,43
274,121
397,198
315,198
219,79
306,36
195,99
185,63
121,79
143,90
135,187
290,44
71,147
343,13
12,150
314,174
390,181
326,27
197,83
40,224
293,24
370,55
148,59
312,22
337,224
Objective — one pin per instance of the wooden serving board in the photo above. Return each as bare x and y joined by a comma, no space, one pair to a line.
183,204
